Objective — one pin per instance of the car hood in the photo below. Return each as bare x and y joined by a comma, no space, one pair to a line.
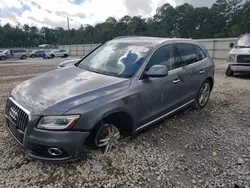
60,90
240,51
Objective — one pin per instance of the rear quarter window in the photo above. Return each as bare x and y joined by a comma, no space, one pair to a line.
199,52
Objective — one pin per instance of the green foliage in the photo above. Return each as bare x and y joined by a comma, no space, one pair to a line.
226,18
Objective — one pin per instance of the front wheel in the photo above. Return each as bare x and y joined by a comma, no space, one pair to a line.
65,55
229,72
104,136
52,56
203,95
2,58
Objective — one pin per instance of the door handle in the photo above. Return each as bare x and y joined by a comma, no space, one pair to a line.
176,81
202,71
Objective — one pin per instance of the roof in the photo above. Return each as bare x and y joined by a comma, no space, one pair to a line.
147,41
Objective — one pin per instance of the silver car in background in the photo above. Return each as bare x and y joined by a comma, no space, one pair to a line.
19,53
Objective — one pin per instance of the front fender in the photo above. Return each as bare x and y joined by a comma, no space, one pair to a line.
95,111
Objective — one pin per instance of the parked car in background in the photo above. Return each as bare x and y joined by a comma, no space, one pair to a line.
20,53
239,56
3,55
58,53
68,63
120,88
37,53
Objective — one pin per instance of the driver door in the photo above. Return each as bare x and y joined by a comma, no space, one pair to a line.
160,96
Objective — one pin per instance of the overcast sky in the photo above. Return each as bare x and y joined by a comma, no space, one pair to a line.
54,13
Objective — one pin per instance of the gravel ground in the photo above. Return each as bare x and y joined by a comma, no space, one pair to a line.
208,148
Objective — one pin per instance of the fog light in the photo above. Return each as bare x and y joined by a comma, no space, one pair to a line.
55,151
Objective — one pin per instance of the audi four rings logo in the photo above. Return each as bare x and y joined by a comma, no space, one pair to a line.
13,113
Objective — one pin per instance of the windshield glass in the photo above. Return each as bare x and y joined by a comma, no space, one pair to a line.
243,41
116,59
5,51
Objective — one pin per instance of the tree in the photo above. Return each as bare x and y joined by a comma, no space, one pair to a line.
226,18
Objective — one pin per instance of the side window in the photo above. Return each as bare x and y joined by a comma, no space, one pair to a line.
185,55
200,54
163,56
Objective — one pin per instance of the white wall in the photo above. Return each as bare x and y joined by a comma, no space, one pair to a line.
79,49
217,48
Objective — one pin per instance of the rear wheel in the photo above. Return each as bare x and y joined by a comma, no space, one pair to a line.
2,58
24,57
203,95
229,72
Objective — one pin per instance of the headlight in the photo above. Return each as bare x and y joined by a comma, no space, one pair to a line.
231,57
58,122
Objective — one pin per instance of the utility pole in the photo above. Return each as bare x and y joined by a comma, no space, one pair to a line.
68,30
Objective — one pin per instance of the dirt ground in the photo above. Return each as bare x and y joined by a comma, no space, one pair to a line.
207,148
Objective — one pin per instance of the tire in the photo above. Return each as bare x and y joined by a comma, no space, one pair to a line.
24,57
229,72
65,55
104,136
203,95
52,56
32,56
2,58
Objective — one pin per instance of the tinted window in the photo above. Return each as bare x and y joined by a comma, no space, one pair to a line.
62,50
200,54
19,51
185,54
163,56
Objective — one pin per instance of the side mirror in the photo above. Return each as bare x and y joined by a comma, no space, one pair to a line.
231,45
157,71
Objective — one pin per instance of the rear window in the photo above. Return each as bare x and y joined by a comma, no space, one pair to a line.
19,51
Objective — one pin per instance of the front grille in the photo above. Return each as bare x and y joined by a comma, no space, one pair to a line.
17,115
243,58
42,151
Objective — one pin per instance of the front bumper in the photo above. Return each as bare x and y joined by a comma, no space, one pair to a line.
240,67
36,143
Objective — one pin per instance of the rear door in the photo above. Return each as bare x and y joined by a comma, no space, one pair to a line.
16,53
185,55
202,69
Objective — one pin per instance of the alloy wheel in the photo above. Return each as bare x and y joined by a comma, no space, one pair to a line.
204,94
107,136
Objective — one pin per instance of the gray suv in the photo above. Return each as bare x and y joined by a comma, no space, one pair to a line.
122,87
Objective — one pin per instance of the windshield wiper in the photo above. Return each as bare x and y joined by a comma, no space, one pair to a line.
100,72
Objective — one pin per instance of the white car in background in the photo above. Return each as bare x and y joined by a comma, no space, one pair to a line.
58,53
68,63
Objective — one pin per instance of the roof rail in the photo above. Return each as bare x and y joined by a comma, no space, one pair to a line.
122,37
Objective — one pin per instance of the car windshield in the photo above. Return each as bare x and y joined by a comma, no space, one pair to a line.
5,51
116,59
243,41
